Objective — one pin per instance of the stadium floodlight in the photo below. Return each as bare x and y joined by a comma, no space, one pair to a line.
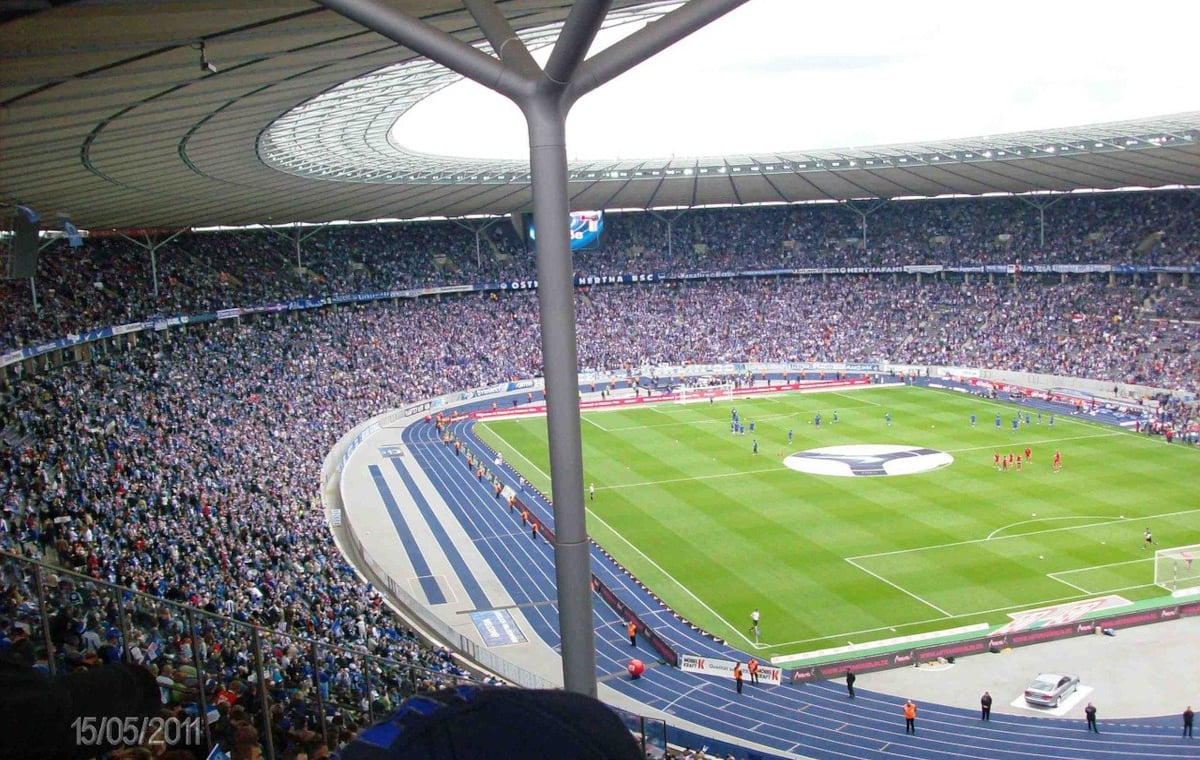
1178,570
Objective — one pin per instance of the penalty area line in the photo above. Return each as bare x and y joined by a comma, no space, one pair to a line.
834,638
1108,521
1054,576
899,588
1001,529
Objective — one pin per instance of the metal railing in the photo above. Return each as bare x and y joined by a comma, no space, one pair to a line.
288,684
343,528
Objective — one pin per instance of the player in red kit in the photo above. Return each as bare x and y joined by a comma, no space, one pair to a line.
1057,461
1028,454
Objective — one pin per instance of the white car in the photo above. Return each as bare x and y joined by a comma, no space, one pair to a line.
1048,689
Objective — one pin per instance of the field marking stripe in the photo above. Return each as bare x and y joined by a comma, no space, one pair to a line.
672,578
909,624
1054,576
1113,521
679,423
1041,443
993,535
629,543
899,588
519,454
1064,419
852,398
692,423
769,469
1070,418
640,484
588,419
1109,564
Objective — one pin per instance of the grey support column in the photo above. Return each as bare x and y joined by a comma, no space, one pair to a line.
556,302
545,97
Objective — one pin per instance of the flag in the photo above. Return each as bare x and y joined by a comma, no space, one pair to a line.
74,239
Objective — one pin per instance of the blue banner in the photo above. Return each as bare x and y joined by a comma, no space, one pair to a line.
497,628
301,304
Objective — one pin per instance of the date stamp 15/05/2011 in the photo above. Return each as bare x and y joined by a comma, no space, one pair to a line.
135,731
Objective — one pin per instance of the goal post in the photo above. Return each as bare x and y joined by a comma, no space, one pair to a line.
1178,569
695,394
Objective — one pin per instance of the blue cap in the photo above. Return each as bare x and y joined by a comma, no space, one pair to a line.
499,724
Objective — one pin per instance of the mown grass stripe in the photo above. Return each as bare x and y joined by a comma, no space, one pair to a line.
717,530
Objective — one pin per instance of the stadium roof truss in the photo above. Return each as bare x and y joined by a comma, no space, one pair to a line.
113,117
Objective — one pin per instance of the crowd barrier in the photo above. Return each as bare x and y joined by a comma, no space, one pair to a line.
329,689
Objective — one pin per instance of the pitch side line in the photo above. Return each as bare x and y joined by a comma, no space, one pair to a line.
1111,521
899,588
519,455
1069,418
911,623
672,578
858,400
677,423
851,560
641,553
588,419
693,423
1040,443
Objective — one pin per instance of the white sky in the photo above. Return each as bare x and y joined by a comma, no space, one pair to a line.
795,74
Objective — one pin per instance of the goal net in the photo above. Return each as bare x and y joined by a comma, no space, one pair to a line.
1178,570
685,394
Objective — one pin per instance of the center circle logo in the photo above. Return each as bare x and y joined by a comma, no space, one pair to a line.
867,460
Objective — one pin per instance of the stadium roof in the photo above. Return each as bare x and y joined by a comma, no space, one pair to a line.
110,117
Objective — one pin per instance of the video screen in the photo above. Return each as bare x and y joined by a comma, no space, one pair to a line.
587,230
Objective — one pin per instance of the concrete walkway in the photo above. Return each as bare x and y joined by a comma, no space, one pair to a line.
1141,672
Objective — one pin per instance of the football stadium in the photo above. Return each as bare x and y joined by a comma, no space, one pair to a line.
319,444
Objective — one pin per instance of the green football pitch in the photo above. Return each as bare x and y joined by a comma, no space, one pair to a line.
717,530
